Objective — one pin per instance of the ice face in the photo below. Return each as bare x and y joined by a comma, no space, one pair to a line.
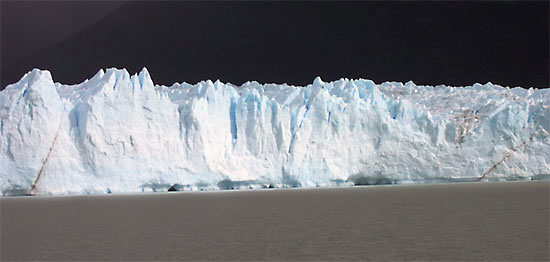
121,133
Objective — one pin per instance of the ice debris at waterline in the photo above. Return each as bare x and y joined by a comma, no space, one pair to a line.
121,133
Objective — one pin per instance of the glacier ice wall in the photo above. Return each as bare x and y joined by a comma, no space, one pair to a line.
121,133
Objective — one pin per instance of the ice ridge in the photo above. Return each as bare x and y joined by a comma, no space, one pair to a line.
118,132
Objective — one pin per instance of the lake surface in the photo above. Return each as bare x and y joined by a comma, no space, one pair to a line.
483,221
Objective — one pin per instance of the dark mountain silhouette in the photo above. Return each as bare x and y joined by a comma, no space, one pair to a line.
428,42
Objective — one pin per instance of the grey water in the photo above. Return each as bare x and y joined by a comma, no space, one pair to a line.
463,221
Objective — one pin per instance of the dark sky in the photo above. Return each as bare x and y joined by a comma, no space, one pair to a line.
454,43
29,26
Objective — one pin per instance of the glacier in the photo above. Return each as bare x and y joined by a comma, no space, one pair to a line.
118,133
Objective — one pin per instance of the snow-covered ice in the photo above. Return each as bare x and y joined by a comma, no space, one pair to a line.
118,132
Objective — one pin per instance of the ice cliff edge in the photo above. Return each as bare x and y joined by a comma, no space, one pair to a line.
118,132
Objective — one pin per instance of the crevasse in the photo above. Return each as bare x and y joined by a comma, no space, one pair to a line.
121,133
